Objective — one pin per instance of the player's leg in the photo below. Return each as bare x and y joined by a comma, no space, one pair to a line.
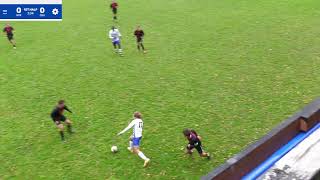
141,44
114,10
144,50
115,46
189,149
136,150
201,152
69,126
138,45
119,48
12,41
130,147
61,129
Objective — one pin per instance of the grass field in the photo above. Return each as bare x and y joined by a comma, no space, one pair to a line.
230,69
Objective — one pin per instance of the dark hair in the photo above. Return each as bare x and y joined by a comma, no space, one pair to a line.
137,115
186,132
61,101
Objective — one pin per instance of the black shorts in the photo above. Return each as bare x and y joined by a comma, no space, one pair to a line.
114,10
10,37
59,119
197,146
139,40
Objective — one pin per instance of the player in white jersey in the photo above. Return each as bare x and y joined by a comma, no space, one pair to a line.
134,143
115,35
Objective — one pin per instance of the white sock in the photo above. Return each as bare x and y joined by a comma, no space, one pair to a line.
142,156
130,144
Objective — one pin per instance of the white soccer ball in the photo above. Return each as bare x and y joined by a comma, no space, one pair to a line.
114,149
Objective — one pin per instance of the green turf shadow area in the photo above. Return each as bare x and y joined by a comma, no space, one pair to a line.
217,66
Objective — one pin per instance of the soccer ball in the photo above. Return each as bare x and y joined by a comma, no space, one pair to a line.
114,149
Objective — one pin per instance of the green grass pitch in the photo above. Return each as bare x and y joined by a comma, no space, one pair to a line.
231,69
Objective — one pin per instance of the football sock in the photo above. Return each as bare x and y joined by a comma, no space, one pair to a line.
138,47
142,46
142,156
130,144
62,135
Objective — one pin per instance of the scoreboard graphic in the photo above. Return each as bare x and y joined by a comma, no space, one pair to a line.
30,10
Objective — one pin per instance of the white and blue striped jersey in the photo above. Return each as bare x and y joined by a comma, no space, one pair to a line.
137,126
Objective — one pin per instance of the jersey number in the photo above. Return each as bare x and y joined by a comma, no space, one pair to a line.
140,124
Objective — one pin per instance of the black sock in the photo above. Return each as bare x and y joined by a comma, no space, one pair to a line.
142,46
138,47
62,135
69,128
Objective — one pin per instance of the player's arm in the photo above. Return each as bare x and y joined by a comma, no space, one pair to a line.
67,109
127,128
110,35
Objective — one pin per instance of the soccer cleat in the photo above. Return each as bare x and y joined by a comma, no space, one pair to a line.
146,162
145,52
208,156
120,52
130,149
14,47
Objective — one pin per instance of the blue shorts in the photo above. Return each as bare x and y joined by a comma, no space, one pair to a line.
115,42
136,141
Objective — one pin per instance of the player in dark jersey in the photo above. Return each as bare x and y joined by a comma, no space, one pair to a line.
194,142
114,6
58,118
9,31
139,33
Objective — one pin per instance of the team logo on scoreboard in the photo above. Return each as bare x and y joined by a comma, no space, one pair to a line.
31,10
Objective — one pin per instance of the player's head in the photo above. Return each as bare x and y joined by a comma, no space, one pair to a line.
61,103
186,132
138,27
137,115
7,24
113,27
